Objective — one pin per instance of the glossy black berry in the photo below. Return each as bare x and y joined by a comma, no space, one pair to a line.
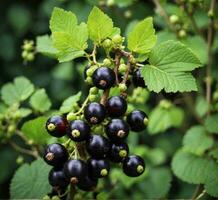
55,154
87,184
133,166
98,168
137,79
137,120
57,178
94,113
117,130
79,130
116,106
103,78
118,152
98,146
57,126
75,170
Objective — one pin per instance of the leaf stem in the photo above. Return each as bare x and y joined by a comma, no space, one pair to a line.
83,106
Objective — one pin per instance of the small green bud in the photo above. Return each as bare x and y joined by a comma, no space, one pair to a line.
30,142
165,104
55,198
128,13
117,39
11,128
20,160
174,19
92,97
91,70
24,54
93,90
89,80
110,2
107,62
182,33
46,198
30,57
71,116
122,87
107,43
122,68
132,59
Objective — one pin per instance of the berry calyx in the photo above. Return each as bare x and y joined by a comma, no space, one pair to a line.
116,106
98,146
55,154
133,166
79,131
118,152
137,79
137,120
94,113
103,78
87,184
57,126
117,130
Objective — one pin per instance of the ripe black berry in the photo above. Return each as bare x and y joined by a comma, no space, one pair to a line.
55,154
75,170
116,106
87,184
117,130
103,78
57,178
98,146
57,126
98,168
137,120
118,152
133,166
79,130
137,79
94,113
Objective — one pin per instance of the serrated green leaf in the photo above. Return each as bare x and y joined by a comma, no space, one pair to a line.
30,181
69,103
40,101
212,181
35,130
17,91
211,124
100,26
196,140
170,66
142,38
214,153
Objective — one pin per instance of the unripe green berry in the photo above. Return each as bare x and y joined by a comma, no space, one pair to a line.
106,62
24,54
28,46
89,80
55,198
165,104
92,97
132,59
122,87
93,90
110,2
117,39
71,116
128,13
174,19
20,160
91,70
122,68
107,43
46,198
182,33
30,57
11,128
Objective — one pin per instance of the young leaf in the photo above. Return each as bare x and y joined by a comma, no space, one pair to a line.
170,66
142,38
196,140
30,181
100,26
211,124
40,101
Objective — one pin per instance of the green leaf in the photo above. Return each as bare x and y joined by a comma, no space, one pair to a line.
63,71
35,130
40,101
17,91
196,140
211,124
142,38
170,66
30,181
212,181
201,106
100,26
214,153
44,45
69,104
24,112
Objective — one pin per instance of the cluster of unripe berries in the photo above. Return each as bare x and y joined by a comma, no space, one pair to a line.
28,51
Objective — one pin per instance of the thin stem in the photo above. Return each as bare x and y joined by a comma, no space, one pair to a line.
83,106
201,195
105,96
117,64
94,53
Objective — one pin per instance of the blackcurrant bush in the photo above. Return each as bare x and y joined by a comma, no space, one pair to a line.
57,178
133,166
75,170
117,130
57,126
116,106
103,78
98,168
137,120
79,130
118,152
137,79
87,184
94,113
98,146
55,154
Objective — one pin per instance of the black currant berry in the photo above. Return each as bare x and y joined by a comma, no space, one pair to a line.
75,170
57,178
57,126
116,106
117,130
118,152
133,166
98,168
98,146
137,79
55,154
137,120
87,184
79,130
103,78
94,113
